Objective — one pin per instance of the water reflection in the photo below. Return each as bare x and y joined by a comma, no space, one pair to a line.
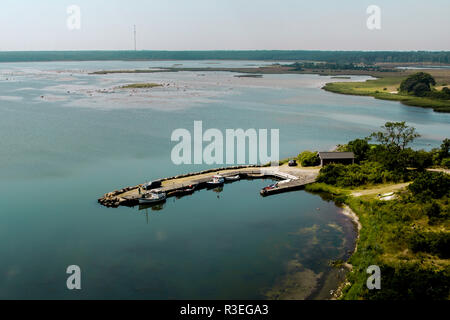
218,189
153,207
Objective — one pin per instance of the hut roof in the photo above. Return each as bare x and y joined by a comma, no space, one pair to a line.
336,155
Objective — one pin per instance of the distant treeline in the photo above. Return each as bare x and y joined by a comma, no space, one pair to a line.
342,57
300,66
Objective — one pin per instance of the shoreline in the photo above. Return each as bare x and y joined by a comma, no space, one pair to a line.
348,212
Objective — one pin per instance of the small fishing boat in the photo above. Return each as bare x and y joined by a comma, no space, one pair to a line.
189,189
217,180
154,196
186,190
268,188
233,178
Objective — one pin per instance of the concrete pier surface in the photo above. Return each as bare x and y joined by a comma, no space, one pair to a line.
291,178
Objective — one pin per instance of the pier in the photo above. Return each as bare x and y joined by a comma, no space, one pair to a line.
289,179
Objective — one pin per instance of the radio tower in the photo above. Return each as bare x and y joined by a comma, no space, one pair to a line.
134,37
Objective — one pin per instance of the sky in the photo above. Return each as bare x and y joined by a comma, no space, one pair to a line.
224,25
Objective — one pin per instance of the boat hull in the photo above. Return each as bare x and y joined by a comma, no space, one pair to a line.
150,201
234,178
214,184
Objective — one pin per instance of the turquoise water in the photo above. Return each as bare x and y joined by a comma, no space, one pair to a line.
65,143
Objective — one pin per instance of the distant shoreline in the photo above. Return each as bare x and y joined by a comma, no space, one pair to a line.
341,56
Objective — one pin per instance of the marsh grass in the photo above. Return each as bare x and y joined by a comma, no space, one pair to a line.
141,86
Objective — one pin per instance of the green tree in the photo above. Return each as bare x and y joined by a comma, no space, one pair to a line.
418,83
360,147
396,136
421,89
421,159
445,147
445,162
309,159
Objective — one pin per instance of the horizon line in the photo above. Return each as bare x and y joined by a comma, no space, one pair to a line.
221,50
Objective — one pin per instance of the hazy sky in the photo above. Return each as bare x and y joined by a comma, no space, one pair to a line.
225,24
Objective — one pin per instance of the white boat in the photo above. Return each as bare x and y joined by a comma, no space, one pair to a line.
217,180
154,196
232,178
387,194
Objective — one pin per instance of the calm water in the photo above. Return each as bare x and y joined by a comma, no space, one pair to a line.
68,137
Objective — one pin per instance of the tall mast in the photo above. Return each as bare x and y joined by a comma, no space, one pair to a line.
134,37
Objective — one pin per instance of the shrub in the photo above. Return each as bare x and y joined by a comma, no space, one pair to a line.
445,147
437,243
445,163
360,148
420,159
355,175
411,282
330,174
430,185
434,212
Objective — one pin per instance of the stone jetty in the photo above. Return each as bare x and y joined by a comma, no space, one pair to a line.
291,178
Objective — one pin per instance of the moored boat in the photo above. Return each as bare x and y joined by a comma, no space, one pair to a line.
183,191
265,190
189,189
233,178
154,196
217,180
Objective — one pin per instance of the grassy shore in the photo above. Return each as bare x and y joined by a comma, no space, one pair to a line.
386,88
385,241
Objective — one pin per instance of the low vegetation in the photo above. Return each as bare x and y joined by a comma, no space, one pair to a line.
308,159
300,66
408,245
407,237
141,86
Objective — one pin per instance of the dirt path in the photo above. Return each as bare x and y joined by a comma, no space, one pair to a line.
380,190
447,171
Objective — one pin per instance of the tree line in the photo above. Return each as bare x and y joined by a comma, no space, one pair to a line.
366,57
